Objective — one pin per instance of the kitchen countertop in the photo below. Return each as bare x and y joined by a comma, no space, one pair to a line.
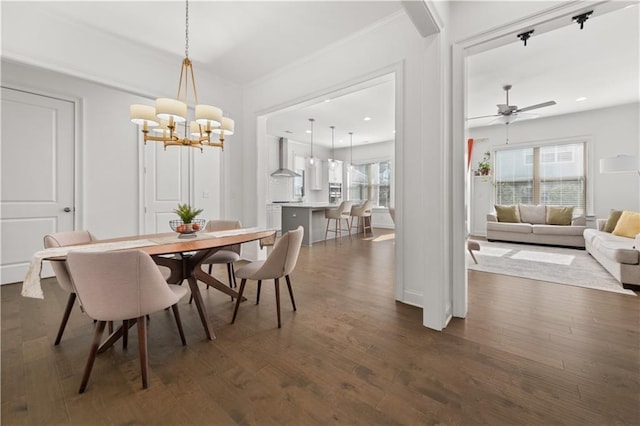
310,205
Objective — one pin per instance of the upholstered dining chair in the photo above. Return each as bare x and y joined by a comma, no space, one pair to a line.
280,263
62,239
226,255
121,285
342,212
363,213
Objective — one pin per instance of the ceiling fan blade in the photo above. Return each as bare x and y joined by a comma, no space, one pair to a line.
542,105
484,116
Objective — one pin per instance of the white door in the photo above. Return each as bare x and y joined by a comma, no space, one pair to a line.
166,184
37,150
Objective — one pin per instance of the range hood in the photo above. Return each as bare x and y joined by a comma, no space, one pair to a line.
283,158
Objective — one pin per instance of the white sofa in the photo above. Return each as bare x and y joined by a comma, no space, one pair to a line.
532,229
618,255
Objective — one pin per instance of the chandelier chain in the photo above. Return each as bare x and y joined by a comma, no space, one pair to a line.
186,30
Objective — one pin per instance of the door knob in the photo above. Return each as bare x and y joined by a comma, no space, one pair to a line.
67,209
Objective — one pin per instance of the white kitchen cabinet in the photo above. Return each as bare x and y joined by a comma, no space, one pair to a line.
274,217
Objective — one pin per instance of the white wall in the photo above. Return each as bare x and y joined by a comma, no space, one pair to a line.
125,74
610,131
393,45
108,144
109,151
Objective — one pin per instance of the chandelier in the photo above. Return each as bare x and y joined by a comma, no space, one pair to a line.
169,119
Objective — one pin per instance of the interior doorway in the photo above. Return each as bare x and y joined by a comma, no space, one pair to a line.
365,145
523,73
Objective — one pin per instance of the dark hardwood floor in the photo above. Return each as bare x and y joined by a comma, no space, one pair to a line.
529,353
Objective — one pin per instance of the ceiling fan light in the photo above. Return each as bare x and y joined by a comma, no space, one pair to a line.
167,109
208,115
506,119
143,114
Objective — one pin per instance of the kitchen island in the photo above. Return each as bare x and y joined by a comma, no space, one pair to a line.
308,215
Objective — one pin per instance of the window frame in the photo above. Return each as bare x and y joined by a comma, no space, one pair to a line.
589,162
372,187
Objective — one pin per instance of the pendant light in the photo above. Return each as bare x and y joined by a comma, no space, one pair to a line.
350,150
332,160
312,160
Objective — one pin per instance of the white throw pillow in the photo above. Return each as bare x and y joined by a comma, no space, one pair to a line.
532,213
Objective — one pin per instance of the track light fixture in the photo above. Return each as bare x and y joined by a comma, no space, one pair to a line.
525,36
582,18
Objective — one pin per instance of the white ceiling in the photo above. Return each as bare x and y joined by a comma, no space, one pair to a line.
599,62
239,41
347,112
242,41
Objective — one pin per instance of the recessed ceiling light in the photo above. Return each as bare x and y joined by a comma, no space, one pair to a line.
340,140
367,119
580,99
307,131
394,132
327,100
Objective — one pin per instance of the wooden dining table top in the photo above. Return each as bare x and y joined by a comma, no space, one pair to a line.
173,244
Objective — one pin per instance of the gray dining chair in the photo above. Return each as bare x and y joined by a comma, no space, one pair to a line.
121,286
62,239
338,214
280,263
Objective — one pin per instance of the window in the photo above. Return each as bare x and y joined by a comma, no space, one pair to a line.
371,181
547,174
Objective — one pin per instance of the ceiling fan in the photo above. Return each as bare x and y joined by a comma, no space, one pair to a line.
508,113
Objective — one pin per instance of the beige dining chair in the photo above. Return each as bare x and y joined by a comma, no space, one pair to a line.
226,255
62,239
121,285
280,263
342,212
363,213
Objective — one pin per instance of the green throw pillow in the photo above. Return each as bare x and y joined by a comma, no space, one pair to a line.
614,216
557,215
507,213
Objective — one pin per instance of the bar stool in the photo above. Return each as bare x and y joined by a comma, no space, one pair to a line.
341,212
363,213
471,246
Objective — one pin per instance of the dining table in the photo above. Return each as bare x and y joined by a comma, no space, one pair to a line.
183,257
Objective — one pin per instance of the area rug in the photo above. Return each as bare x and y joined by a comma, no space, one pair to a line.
553,264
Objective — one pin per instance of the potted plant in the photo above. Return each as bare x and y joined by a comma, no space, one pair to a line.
187,215
484,166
